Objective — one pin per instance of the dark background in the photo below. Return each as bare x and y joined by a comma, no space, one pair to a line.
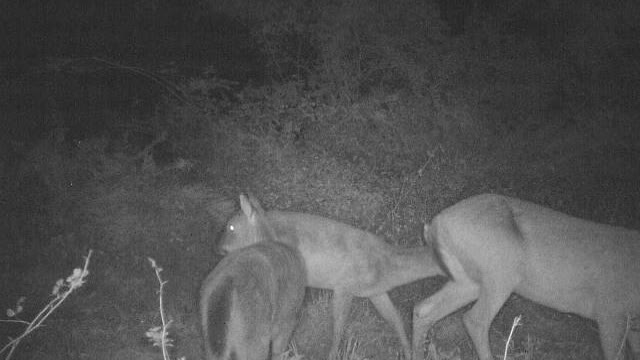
130,128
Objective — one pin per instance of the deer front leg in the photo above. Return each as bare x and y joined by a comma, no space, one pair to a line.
389,312
450,298
341,306
613,328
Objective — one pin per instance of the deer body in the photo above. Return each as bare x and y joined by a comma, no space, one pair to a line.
494,245
339,256
250,302
349,261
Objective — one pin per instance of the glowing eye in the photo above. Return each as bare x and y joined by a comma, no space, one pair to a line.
231,228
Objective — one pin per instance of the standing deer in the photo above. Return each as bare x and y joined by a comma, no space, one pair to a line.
349,261
250,302
494,245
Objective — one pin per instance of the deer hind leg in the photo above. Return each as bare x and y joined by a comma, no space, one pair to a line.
389,312
283,334
613,329
280,342
494,292
454,295
253,340
258,348
341,306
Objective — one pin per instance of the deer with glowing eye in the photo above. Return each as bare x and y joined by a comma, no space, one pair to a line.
340,257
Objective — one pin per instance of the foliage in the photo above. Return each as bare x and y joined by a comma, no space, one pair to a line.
61,290
345,48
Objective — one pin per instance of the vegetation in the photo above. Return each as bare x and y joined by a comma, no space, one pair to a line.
132,129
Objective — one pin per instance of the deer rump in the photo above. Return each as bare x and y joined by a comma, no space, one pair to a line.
494,245
250,302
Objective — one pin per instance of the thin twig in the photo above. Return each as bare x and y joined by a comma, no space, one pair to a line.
624,338
516,322
165,323
73,282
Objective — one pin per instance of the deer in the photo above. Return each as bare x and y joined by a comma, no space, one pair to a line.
339,257
250,302
491,246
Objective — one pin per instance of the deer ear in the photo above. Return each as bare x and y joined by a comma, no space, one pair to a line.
246,206
424,240
255,203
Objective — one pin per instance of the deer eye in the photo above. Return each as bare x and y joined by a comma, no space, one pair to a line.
231,228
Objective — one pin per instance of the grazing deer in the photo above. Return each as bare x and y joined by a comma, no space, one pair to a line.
340,257
250,302
494,245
